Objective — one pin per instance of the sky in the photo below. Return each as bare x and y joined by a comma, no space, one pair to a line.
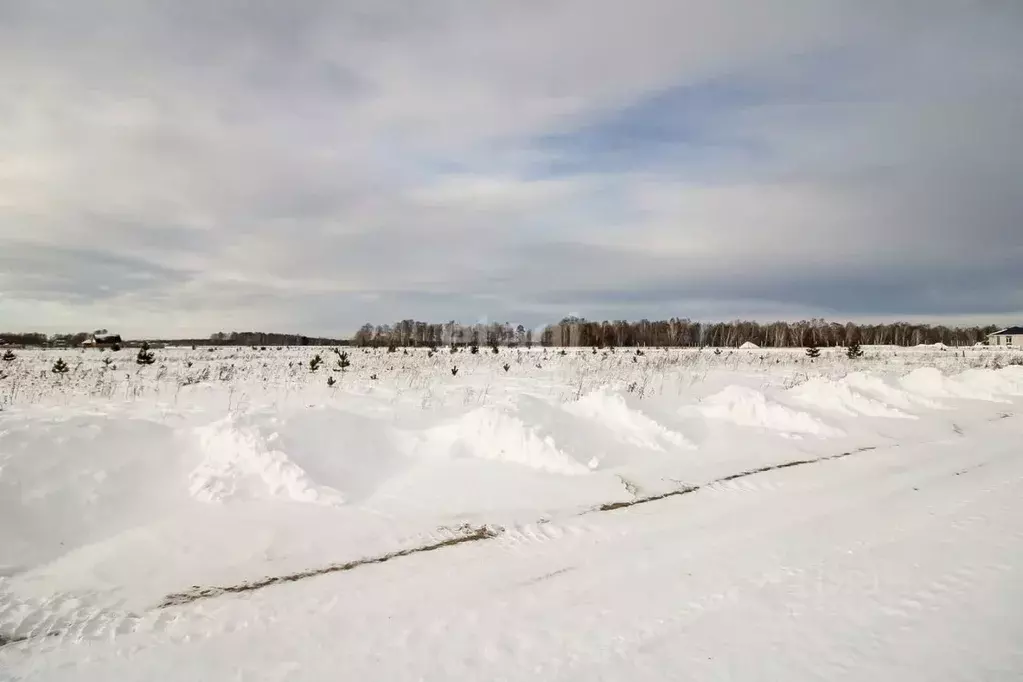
179,167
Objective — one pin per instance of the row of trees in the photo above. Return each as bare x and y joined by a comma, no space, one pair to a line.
574,331
675,332
263,339
413,333
815,332
76,339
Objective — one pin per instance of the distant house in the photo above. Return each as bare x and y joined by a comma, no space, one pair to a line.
1011,337
93,341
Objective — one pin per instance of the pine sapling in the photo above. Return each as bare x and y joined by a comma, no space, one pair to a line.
853,350
9,356
342,360
330,381
145,356
813,351
454,371
315,362
60,367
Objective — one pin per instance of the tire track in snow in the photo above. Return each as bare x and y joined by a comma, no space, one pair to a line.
71,618
66,617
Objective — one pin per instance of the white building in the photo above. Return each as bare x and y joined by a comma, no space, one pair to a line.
1007,338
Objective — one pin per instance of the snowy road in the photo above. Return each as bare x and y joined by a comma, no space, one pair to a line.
903,563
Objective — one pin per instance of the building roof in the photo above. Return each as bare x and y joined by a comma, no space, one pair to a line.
1010,331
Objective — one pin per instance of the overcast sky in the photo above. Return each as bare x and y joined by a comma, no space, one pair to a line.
185,166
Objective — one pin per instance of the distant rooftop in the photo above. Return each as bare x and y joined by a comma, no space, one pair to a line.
1010,331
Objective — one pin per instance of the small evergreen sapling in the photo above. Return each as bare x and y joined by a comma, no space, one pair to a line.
9,356
145,356
342,360
315,362
853,350
813,351
330,381
60,367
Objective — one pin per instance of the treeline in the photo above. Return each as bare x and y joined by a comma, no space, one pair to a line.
219,339
413,333
686,333
675,332
263,339
574,331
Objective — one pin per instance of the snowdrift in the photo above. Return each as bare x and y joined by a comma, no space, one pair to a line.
931,382
748,407
841,397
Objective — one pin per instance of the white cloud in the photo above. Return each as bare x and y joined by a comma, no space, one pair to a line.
167,169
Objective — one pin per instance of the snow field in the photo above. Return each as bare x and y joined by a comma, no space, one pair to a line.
118,488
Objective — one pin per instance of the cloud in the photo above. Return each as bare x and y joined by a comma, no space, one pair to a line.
177,168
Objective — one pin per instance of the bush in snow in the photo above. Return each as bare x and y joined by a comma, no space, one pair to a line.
506,367
145,356
454,371
330,381
812,351
853,351
60,367
9,356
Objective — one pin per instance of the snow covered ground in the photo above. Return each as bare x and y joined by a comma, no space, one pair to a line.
678,514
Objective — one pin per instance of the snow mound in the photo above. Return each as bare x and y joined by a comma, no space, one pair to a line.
837,396
936,346
501,435
748,407
891,395
994,382
749,345
629,425
239,463
929,381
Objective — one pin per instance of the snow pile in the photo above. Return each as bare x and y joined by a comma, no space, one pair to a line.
68,481
930,382
936,346
238,462
891,395
500,434
749,345
994,382
748,407
837,396
628,425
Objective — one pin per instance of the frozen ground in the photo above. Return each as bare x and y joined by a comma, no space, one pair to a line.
227,515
